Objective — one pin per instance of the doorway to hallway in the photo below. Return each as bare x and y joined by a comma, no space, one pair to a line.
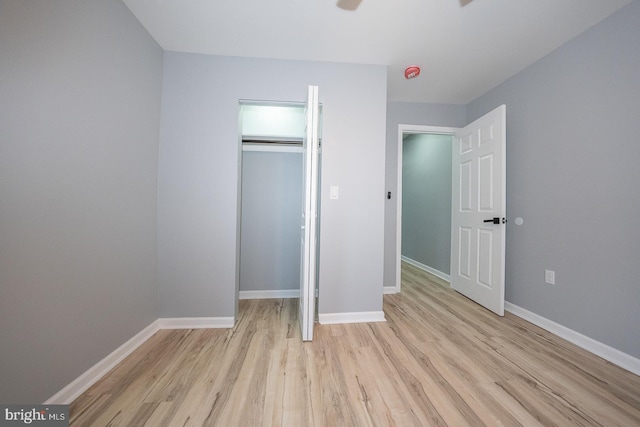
478,207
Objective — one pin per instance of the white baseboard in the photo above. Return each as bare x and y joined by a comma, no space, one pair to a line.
358,317
611,354
444,276
196,322
74,389
275,294
78,386
396,289
390,290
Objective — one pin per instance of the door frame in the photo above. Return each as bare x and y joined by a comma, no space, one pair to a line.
412,129
252,102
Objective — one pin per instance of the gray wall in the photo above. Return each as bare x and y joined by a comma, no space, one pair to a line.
426,200
271,218
80,86
198,178
572,174
412,114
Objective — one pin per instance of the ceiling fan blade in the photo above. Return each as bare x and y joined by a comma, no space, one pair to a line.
354,4
348,4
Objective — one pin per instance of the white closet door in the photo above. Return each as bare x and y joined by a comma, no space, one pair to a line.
309,216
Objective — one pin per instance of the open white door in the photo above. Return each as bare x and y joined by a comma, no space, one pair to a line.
309,217
478,213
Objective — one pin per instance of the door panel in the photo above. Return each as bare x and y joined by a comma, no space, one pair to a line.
478,196
464,265
485,183
308,259
485,259
465,187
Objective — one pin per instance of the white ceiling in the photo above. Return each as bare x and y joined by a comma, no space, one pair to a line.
463,51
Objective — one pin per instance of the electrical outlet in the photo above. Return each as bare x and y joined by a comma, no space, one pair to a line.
550,277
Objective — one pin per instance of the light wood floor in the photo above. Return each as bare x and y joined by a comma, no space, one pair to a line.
439,360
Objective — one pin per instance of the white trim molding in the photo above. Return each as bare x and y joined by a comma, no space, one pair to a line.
611,354
386,290
274,148
358,317
92,375
196,322
81,384
430,270
270,294
396,289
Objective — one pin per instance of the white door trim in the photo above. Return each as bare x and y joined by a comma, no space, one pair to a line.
309,234
402,129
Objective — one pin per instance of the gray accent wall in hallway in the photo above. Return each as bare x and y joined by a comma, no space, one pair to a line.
80,89
409,113
426,200
573,121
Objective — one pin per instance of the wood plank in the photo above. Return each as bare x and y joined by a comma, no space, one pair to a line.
440,359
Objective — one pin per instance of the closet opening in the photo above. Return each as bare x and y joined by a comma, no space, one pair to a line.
271,136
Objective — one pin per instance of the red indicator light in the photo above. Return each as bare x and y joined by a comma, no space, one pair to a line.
411,72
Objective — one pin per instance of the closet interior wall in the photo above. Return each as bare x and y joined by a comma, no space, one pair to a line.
271,195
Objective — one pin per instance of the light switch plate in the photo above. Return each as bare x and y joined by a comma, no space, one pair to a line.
550,277
334,192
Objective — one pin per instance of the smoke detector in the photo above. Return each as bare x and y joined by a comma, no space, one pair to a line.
411,71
